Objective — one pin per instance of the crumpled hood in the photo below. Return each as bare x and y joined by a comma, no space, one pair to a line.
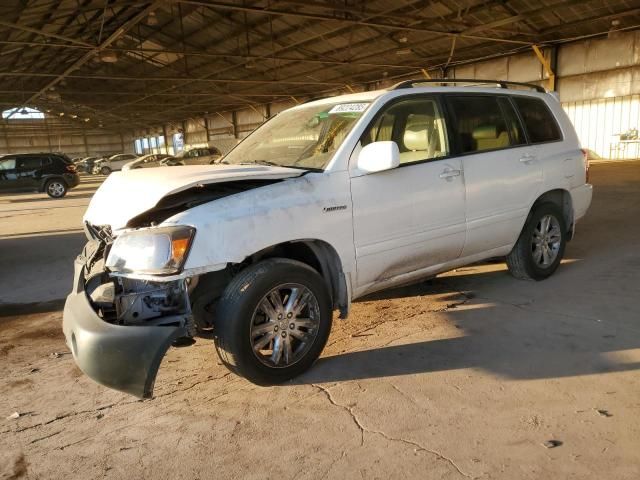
123,195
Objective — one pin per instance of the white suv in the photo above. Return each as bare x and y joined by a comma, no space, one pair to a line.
324,203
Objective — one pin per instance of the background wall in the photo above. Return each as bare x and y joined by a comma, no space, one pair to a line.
598,81
54,134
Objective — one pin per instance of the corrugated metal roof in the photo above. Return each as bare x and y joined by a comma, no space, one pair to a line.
186,57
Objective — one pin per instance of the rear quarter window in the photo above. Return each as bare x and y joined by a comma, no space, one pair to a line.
538,120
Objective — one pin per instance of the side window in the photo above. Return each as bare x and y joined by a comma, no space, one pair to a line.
538,120
514,127
417,126
29,163
8,164
479,123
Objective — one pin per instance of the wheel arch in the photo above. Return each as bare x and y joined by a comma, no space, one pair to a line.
45,181
562,198
319,255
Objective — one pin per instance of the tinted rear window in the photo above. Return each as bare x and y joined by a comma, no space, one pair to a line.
480,123
29,162
538,120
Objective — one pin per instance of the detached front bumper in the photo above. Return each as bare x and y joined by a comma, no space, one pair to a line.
125,358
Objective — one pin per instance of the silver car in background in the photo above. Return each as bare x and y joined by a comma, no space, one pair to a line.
151,160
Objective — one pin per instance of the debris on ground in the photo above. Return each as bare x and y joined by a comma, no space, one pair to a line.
604,413
13,416
552,443
58,354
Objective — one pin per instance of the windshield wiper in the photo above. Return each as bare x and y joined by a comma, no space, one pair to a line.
262,162
273,164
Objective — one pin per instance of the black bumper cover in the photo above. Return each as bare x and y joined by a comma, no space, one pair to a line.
125,358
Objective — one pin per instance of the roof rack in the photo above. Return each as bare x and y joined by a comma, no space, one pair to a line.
497,83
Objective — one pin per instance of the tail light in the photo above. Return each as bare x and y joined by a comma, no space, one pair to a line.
585,158
71,168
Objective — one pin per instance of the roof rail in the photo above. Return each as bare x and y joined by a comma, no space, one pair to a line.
497,83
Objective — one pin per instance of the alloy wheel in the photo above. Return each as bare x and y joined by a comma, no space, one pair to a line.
284,325
546,241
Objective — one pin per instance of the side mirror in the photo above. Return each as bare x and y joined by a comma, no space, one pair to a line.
378,157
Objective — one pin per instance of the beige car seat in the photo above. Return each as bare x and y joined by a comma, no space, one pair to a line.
487,138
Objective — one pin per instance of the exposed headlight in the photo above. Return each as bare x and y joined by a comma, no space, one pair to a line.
154,251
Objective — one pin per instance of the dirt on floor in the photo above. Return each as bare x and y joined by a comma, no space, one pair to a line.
472,374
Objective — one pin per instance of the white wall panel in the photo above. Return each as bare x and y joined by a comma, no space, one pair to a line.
599,124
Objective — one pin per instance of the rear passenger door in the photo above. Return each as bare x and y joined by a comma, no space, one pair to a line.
502,174
30,171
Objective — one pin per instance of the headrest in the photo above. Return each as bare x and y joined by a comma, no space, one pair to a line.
485,132
416,133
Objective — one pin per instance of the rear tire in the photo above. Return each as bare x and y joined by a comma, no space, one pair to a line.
540,247
270,338
56,188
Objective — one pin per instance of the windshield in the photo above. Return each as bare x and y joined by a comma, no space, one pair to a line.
305,137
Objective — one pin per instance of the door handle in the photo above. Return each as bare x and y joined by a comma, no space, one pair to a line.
527,159
449,173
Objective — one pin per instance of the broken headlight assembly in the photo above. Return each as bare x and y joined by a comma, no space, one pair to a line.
151,251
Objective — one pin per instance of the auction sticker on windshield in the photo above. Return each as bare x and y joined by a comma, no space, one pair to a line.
349,108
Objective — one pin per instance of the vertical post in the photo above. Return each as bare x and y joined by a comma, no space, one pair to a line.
267,110
206,127
166,139
86,144
234,122
46,128
546,65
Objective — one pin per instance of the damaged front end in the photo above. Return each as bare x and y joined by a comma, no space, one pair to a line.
117,327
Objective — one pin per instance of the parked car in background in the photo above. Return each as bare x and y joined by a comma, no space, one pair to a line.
113,163
85,164
51,173
325,203
195,156
148,161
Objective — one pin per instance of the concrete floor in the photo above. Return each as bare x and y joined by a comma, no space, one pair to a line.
463,376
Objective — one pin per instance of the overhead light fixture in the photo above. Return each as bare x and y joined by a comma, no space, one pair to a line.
404,51
613,30
152,19
74,116
87,119
61,114
108,56
400,37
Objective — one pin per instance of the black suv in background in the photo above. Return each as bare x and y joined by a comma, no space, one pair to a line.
52,173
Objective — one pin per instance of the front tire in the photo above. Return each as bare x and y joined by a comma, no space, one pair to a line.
273,321
56,188
540,247
105,170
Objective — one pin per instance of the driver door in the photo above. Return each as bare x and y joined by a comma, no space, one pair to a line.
411,217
